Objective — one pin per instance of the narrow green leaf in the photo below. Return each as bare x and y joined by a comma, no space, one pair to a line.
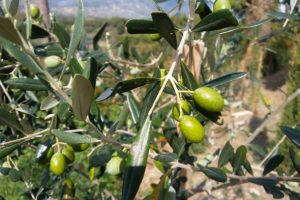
91,71
75,67
8,119
272,163
26,84
4,151
213,173
148,100
225,79
82,96
17,52
262,181
239,158
62,35
137,161
141,26
49,102
134,107
8,31
202,9
13,7
216,20
187,77
226,155
165,27
123,117
248,167
74,138
76,35
125,86
295,159
98,36
166,157
292,134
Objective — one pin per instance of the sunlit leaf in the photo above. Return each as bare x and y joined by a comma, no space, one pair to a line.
74,138
26,84
225,79
216,20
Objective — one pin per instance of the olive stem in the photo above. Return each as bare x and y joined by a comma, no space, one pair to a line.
186,91
172,68
31,136
103,138
177,96
57,143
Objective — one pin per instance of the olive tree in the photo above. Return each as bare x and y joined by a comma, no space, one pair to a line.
50,102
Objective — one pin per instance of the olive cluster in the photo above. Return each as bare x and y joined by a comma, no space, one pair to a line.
207,99
60,159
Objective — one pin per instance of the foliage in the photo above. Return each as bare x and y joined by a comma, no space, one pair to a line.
63,90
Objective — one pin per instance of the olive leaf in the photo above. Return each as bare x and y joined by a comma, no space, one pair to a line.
82,96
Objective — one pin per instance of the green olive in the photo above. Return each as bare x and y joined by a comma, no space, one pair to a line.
58,163
114,166
208,99
222,4
69,155
78,147
46,158
185,109
155,36
52,61
34,11
191,129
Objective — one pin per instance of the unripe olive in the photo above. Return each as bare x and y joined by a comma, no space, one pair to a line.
155,36
34,11
52,61
208,99
114,166
176,109
191,129
221,4
78,147
69,155
58,163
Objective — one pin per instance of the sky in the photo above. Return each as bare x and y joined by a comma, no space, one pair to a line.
112,8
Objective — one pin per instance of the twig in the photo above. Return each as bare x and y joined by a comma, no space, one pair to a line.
272,151
238,180
28,137
7,67
153,62
174,63
260,128
292,9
